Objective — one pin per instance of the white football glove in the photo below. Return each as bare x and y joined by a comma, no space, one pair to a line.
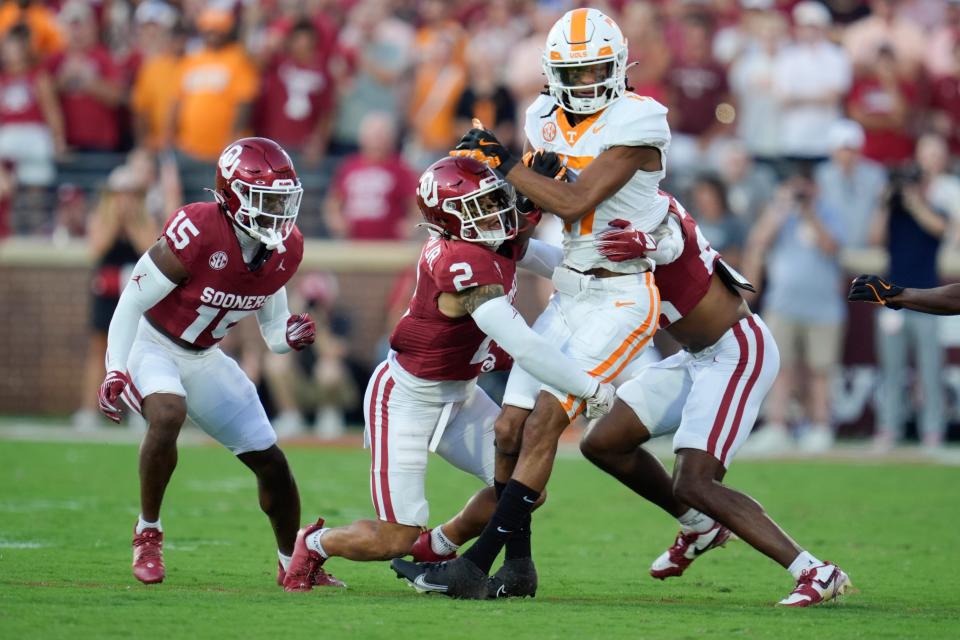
600,403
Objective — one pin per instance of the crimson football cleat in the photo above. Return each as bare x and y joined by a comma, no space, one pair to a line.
817,585
305,571
319,578
686,548
148,556
422,550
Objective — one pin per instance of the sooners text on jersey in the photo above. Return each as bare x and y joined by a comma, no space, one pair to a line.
434,347
685,281
221,289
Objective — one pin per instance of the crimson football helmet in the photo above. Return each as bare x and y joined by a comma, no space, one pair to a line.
463,198
259,189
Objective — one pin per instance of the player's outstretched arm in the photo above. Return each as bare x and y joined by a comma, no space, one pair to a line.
281,330
491,310
943,301
155,275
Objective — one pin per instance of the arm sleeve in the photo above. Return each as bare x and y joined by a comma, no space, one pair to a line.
541,258
500,320
272,318
146,287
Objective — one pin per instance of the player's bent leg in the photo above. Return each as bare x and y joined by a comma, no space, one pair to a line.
368,540
508,436
277,490
541,435
165,414
697,481
614,444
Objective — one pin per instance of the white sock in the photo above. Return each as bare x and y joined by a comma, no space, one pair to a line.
694,521
284,560
313,542
441,544
143,524
801,562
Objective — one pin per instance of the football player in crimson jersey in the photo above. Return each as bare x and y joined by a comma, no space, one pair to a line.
216,263
461,322
709,395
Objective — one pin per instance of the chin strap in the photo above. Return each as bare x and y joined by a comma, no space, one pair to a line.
273,241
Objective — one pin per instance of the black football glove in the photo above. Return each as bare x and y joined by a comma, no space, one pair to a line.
483,146
546,163
867,288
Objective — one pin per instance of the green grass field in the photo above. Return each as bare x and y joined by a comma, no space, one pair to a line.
66,512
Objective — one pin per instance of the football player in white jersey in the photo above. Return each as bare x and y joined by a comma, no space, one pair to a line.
604,313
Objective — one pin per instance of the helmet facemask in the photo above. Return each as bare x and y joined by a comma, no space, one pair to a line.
564,87
268,213
488,215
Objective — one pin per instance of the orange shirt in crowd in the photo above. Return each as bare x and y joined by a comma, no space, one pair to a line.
212,85
45,36
439,81
153,96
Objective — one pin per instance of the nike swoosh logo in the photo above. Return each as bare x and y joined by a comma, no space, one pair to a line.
486,143
597,128
885,285
501,592
825,584
502,530
697,552
527,499
429,586
623,304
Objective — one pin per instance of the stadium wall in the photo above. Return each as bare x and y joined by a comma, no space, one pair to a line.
44,311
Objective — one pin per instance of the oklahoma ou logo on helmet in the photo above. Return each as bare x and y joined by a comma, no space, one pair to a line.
428,189
218,260
549,131
230,160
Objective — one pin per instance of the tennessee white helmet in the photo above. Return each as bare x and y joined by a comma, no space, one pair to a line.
585,61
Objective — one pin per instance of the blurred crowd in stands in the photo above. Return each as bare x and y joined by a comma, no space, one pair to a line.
800,128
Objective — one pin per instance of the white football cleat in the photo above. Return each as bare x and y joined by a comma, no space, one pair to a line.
817,585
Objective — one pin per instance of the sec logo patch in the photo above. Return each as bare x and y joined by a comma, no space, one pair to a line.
549,131
218,260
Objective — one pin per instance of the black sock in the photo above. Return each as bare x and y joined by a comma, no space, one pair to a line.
511,516
518,545
498,488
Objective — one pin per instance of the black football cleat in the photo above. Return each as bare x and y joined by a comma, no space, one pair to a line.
517,578
458,578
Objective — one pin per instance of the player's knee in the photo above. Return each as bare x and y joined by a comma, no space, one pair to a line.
269,465
389,540
594,445
692,490
508,432
543,428
165,417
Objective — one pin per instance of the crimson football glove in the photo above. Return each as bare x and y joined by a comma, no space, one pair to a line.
623,242
867,288
301,330
109,394
483,146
